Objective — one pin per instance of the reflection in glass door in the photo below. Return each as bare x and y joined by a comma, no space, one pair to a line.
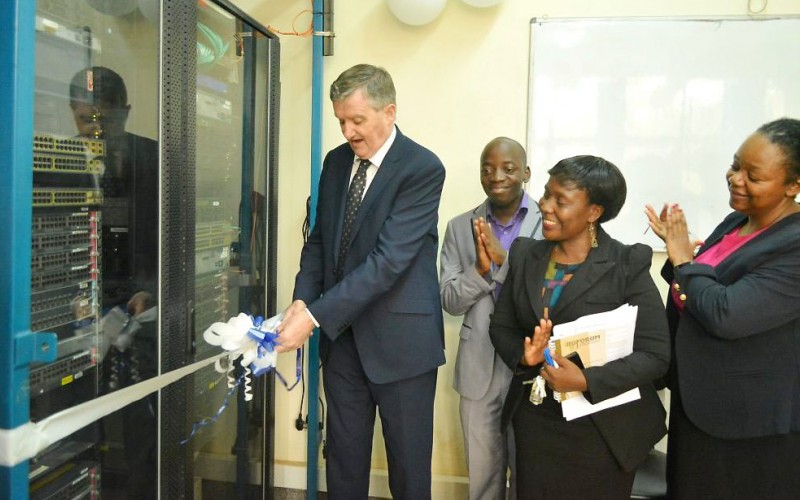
95,242
153,217
230,234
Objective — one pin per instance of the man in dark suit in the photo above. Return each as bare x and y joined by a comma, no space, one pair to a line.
368,280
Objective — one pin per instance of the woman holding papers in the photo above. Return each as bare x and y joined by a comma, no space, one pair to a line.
577,271
734,313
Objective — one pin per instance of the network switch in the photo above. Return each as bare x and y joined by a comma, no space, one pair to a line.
47,143
50,197
47,221
67,164
61,306
61,277
72,480
61,372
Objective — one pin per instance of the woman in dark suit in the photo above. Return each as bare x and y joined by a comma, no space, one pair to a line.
734,313
580,270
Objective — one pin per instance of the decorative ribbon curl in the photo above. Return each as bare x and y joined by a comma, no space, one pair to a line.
252,339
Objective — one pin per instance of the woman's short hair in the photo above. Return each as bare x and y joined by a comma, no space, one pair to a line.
374,81
601,179
785,133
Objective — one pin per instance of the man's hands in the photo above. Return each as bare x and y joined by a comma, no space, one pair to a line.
295,328
140,302
488,249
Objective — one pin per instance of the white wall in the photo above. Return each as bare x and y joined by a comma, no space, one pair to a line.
461,80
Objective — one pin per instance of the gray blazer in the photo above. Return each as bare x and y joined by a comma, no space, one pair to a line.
464,291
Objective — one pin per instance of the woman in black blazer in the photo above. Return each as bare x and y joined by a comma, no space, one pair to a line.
734,313
580,270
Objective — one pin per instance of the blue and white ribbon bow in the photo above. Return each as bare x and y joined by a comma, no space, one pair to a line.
254,339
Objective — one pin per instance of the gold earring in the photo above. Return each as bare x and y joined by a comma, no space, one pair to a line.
593,234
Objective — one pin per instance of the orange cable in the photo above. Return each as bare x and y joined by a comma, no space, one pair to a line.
294,31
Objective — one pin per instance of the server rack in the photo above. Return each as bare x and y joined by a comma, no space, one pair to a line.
143,235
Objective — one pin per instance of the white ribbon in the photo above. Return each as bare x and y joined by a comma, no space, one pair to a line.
29,439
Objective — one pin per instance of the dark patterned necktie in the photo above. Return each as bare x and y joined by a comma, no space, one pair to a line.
354,195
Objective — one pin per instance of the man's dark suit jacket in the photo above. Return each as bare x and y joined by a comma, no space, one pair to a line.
737,345
389,295
612,275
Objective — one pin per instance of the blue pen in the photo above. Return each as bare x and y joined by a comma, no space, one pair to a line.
548,358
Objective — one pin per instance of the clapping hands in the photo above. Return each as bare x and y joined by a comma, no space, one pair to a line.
488,249
670,225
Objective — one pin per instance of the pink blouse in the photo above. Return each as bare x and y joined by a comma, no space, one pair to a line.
713,256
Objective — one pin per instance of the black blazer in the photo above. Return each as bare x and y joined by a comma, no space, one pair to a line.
736,364
390,292
613,274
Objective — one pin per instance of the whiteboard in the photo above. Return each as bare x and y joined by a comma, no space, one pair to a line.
668,101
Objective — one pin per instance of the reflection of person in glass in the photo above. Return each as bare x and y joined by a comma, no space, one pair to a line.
99,102
129,183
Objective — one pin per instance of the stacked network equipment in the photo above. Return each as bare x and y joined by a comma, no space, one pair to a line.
65,299
212,268
215,294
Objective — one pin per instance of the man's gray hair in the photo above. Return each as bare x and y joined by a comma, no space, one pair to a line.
374,81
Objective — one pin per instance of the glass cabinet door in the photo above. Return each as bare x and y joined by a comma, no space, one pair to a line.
153,217
95,241
232,89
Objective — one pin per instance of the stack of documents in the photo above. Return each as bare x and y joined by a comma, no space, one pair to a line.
598,339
